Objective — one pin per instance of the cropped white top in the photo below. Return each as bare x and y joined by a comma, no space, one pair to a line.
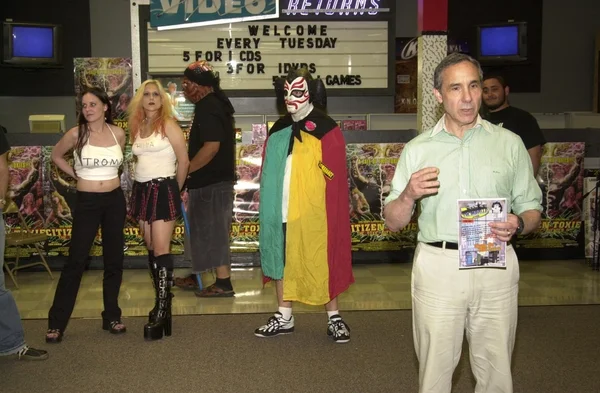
155,157
99,163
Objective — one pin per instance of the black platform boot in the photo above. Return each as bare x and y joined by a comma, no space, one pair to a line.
162,323
153,270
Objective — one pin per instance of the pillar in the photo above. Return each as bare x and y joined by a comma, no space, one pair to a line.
433,47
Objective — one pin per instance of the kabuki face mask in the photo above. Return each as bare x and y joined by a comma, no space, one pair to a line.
296,98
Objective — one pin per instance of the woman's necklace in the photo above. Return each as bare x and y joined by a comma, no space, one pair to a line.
147,128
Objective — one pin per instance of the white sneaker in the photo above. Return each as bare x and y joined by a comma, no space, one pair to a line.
338,329
275,326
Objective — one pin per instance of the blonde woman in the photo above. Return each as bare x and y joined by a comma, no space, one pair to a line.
160,172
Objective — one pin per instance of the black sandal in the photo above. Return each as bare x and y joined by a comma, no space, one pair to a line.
54,340
111,326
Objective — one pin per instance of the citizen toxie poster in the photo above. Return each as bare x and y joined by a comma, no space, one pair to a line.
60,201
591,203
25,193
371,168
560,178
111,74
245,225
134,237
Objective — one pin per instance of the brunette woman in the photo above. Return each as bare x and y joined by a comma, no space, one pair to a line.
97,147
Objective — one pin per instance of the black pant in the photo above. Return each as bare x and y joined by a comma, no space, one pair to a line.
93,209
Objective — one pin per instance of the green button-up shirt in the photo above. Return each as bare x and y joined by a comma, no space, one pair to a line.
489,162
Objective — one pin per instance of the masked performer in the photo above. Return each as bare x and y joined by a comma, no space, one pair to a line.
304,220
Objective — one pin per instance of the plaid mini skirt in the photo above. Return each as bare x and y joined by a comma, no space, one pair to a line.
157,199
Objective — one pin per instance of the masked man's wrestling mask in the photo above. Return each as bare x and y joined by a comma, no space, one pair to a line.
199,80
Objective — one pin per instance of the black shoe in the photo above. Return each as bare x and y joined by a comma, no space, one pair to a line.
275,326
51,338
338,329
111,326
28,353
162,323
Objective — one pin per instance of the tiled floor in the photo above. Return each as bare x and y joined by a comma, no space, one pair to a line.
377,287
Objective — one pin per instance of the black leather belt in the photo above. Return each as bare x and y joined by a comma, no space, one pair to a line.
449,246
156,180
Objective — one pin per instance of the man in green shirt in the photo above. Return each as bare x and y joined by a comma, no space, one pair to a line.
462,157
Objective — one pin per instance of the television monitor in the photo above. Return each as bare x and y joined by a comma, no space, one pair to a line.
502,42
32,44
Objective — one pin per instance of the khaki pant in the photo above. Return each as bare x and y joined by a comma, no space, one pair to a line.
447,302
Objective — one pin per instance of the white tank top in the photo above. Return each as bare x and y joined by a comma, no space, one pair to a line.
99,163
155,157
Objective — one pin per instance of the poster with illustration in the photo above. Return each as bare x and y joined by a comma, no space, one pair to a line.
560,178
25,191
245,226
371,168
114,75
591,202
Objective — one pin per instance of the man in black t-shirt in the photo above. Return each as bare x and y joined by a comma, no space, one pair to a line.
211,179
522,123
12,337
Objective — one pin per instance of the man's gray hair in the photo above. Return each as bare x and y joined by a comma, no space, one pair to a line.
450,60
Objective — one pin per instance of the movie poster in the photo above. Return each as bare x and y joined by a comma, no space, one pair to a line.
111,74
245,226
59,200
371,169
561,179
25,192
591,204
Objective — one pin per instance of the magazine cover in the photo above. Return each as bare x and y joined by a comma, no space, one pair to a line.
478,246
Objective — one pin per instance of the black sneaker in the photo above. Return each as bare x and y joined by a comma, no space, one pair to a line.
28,353
275,326
338,329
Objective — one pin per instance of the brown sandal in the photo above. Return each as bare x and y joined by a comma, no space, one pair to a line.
214,291
187,283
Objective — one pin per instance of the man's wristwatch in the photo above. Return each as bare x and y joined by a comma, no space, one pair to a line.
521,226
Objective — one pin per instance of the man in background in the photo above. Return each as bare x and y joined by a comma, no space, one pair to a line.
12,337
522,123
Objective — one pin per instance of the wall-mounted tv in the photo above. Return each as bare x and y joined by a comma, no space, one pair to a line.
32,44
502,42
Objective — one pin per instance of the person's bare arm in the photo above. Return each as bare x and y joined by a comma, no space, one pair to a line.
506,230
177,140
120,135
208,151
66,144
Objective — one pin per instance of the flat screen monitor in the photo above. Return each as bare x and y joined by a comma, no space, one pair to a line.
32,44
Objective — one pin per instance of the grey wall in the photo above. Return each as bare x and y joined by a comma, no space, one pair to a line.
567,63
111,28
569,32
407,23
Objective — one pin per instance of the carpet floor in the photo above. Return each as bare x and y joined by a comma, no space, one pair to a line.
557,350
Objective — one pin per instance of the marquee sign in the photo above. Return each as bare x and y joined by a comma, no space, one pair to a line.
178,14
332,7
249,56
